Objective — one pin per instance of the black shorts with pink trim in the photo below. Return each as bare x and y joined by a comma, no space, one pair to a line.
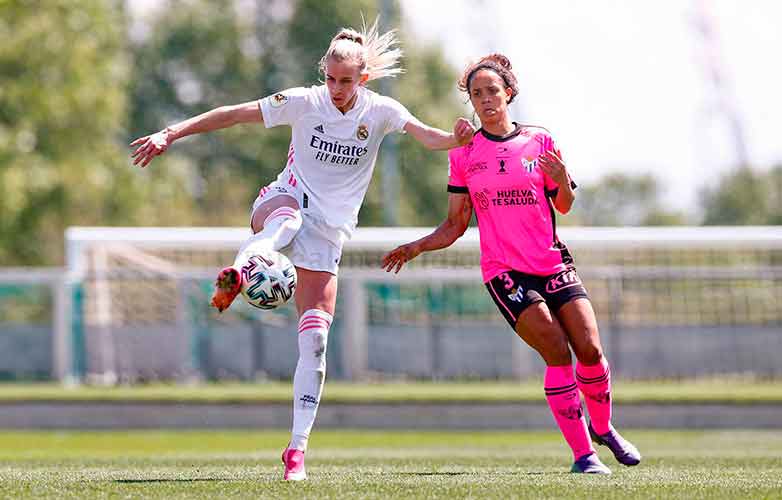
515,291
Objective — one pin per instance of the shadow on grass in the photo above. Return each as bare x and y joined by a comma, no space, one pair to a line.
435,473
467,473
191,480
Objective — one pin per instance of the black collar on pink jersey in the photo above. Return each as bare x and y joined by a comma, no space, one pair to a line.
502,138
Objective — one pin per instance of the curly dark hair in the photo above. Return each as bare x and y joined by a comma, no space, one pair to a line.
493,62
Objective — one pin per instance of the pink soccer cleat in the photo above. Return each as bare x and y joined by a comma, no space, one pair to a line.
294,465
227,287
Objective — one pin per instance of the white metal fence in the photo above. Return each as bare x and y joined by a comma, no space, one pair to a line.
671,302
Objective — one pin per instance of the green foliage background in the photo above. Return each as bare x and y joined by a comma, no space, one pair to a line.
80,79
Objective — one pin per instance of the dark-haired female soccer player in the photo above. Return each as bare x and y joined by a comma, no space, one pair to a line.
513,177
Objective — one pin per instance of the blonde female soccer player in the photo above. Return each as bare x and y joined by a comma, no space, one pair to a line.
312,207
513,177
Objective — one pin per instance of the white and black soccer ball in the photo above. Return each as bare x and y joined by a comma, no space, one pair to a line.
268,280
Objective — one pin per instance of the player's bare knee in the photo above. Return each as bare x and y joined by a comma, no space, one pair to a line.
589,355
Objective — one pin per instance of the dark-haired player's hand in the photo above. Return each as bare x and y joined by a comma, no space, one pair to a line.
551,163
397,257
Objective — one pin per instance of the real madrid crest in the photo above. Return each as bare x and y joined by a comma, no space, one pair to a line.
362,133
278,100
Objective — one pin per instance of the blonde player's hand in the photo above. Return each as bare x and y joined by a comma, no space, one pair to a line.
150,146
463,130
554,167
397,257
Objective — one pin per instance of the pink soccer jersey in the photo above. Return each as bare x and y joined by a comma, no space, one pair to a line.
513,201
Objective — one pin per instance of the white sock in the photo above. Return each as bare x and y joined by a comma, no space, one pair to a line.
310,373
278,231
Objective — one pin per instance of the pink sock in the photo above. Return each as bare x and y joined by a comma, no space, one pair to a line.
565,404
595,383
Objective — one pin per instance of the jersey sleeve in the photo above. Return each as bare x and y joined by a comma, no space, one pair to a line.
395,115
284,108
456,180
548,144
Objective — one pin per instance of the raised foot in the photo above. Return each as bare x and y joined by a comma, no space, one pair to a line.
623,450
227,287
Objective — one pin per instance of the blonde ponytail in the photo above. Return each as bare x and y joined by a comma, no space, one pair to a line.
373,52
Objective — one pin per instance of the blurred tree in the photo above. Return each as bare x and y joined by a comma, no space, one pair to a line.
63,79
622,200
200,54
428,89
195,56
745,197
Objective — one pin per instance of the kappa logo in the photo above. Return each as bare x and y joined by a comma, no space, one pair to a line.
278,100
319,128
529,165
572,412
563,280
603,397
362,133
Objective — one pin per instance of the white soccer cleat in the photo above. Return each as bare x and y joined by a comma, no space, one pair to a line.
294,465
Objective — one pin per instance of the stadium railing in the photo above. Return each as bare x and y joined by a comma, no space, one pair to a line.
671,302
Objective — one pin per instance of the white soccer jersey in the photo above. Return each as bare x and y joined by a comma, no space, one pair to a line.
332,154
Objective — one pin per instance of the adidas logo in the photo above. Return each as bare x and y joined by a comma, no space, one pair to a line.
319,128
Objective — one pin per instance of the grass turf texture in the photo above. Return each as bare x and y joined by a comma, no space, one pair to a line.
348,464
716,390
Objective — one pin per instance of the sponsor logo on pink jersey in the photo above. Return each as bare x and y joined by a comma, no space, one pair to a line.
481,199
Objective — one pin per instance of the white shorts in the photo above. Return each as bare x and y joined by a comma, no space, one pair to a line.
317,246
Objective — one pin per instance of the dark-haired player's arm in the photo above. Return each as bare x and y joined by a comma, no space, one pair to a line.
454,225
565,197
554,167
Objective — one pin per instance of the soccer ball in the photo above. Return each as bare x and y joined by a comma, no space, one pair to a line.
268,280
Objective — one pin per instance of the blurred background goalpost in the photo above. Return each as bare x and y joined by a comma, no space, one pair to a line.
132,305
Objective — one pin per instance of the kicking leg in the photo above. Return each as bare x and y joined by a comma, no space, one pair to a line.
274,222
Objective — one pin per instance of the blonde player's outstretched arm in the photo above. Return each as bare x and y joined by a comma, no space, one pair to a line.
156,144
451,229
436,139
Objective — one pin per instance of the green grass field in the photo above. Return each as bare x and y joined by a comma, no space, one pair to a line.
351,464
711,390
